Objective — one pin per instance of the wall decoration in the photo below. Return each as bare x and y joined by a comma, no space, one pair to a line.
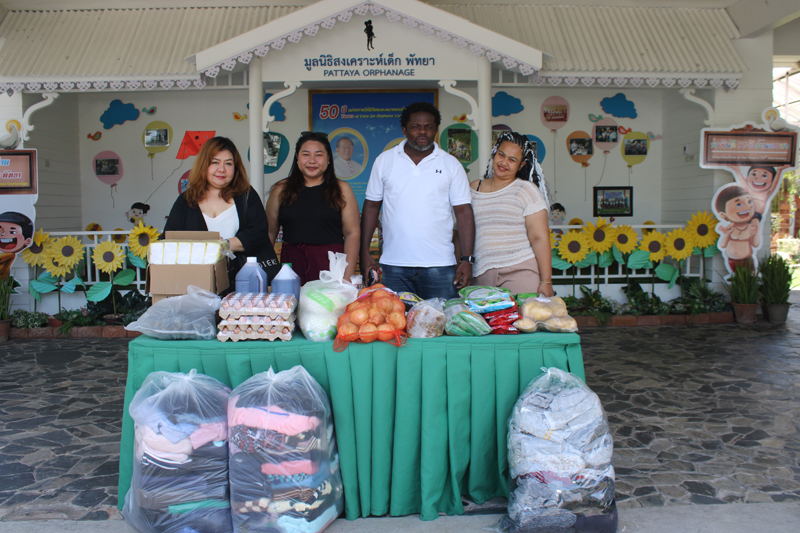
497,129
16,234
605,134
460,141
368,115
557,216
95,136
624,130
94,226
613,201
594,118
137,212
619,106
157,138
370,31
539,149
739,227
119,239
183,181
149,110
276,150
554,113
653,136
108,168
118,113
503,104
238,118
580,149
276,109
18,172
462,118
634,148
192,142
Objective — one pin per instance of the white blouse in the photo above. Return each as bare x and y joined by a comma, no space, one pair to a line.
226,223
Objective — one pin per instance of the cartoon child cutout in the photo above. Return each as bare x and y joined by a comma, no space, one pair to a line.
742,235
761,182
16,234
557,216
137,212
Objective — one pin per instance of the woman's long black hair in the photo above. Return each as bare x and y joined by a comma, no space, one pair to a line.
529,168
296,182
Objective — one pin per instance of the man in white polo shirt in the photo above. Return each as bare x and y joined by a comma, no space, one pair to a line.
418,184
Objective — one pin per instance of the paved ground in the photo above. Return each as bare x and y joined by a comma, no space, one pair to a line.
701,415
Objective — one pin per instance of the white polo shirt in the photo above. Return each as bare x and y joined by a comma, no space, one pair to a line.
417,205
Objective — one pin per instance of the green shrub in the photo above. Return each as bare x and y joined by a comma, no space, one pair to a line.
28,319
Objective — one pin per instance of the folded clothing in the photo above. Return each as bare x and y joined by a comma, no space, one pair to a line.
270,417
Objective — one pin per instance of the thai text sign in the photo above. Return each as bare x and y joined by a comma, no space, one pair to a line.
18,172
745,148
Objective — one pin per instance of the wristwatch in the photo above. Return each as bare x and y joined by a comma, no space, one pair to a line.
469,259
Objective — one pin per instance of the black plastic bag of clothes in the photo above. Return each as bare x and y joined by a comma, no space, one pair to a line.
559,458
284,466
180,468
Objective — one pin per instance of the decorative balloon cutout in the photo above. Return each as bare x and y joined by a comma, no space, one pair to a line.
554,114
156,137
108,169
276,150
183,182
635,146
538,144
605,134
460,141
579,146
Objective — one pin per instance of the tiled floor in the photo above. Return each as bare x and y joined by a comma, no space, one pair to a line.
703,414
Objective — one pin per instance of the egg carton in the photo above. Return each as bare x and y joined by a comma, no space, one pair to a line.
257,321
262,334
273,305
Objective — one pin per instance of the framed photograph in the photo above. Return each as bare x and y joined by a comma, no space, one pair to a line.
459,144
613,201
635,146
580,147
272,149
18,172
555,113
106,167
605,134
158,137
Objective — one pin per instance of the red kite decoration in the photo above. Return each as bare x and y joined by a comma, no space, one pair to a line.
192,142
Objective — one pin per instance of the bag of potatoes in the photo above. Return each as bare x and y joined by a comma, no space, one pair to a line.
545,314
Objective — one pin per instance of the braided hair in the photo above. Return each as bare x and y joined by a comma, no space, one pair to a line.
529,168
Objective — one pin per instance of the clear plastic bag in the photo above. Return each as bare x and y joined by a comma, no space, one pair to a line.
180,466
548,314
462,322
559,458
427,319
191,316
284,466
323,301
486,299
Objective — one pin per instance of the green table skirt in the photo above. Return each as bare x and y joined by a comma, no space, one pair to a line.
416,426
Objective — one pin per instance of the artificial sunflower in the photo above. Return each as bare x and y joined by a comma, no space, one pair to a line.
108,256
140,237
647,223
53,267
680,243
68,251
573,247
553,239
625,239
600,236
119,239
94,226
36,253
654,242
575,222
701,226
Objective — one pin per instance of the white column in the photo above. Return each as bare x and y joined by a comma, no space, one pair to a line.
256,97
484,119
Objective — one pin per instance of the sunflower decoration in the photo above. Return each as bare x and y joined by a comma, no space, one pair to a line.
655,242
600,236
553,240
140,237
119,239
573,247
680,243
108,256
53,267
701,226
647,223
575,222
625,239
67,251
36,253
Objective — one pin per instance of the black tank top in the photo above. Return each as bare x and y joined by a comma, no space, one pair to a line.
310,219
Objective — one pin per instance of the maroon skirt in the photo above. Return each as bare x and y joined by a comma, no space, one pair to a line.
308,260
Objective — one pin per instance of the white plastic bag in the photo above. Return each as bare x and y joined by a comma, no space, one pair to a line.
191,316
180,463
284,466
322,302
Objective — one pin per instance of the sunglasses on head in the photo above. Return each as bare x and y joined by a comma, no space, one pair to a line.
314,135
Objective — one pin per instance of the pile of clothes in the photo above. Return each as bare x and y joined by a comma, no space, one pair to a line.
284,467
180,469
559,456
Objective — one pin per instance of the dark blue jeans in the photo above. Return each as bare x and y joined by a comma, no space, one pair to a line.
433,282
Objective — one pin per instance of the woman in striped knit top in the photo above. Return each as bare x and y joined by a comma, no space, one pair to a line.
512,238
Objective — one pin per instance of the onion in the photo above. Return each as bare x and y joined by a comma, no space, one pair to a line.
368,332
359,316
386,305
386,332
398,320
347,329
376,317
399,306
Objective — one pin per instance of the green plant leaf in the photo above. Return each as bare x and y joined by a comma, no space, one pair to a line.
559,263
638,259
99,291
68,288
135,260
665,271
124,278
711,251
696,251
34,293
77,281
674,278
589,260
618,255
605,260
47,278
42,287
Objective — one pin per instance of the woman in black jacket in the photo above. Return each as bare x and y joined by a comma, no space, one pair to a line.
220,198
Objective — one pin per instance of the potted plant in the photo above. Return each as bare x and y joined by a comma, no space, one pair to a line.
776,282
8,287
743,288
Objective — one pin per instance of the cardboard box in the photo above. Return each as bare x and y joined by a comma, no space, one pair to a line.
164,281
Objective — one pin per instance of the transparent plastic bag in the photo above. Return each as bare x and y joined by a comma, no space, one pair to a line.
284,466
462,322
427,319
323,301
545,314
191,316
180,463
486,299
559,458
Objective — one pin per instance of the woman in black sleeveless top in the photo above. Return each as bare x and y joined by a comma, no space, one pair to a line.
318,212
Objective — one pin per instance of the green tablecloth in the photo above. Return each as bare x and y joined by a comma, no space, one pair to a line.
416,426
